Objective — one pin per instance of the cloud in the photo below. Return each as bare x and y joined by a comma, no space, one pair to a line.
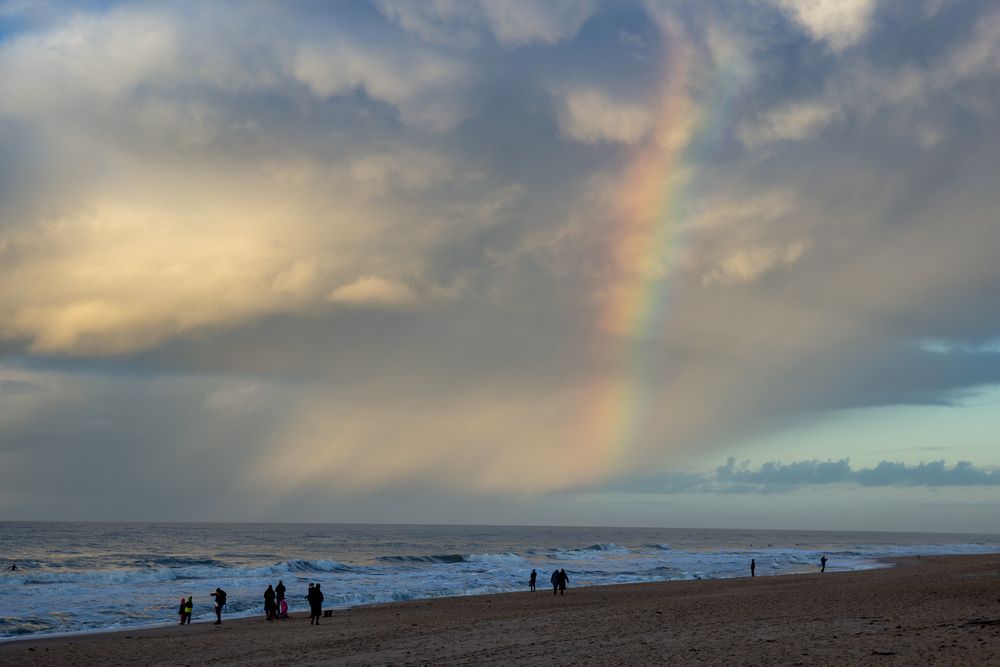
749,264
794,122
234,399
416,83
512,22
376,291
411,219
840,23
592,117
779,477
10,387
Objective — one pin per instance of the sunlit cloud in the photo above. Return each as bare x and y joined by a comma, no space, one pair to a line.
512,248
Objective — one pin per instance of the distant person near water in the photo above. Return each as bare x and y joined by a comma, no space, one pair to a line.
555,578
13,567
188,609
563,580
315,597
270,607
822,564
753,566
531,581
220,602
180,610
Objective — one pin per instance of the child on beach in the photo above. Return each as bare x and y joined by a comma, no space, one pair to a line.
181,611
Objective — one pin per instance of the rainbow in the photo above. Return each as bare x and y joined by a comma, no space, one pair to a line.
651,211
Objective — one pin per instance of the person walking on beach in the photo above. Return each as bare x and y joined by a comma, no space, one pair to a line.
822,563
220,602
555,582
188,609
531,581
269,605
563,580
753,566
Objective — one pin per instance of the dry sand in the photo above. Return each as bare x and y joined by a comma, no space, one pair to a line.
940,611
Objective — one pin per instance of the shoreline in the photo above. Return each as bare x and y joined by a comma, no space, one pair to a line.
877,564
940,609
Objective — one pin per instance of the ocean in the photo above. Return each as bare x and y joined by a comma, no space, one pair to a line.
91,577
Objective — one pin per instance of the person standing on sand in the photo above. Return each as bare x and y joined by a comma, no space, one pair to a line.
181,611
315,605
531,581
563,580
822,563
188,609
555,582
753,566
279,591
220,602
269,605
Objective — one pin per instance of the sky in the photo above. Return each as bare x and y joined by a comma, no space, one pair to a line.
725,263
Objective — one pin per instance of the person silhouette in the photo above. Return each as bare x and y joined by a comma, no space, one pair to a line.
531,580
753,566
270,606
13,567
822,564
318,611
563,580
555,579
279,591
188,609
220,602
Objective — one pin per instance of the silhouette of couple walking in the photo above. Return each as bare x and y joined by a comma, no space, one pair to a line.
559,580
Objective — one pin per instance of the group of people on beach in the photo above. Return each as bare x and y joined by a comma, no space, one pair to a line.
184,611
187,607
559,580
275,606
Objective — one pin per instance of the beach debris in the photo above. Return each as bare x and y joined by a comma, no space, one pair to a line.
876,651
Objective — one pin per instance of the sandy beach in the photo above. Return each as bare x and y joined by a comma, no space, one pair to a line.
940,610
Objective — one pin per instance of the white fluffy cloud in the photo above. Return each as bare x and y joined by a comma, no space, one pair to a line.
591,116
840,23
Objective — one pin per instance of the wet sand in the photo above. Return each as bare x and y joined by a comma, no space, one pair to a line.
941,611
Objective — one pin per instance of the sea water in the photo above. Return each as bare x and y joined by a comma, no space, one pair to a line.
86,577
